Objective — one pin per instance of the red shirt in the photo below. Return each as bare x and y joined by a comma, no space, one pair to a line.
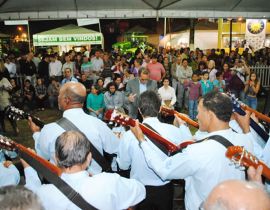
156,71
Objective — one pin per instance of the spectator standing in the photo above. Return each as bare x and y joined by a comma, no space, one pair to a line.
184,74
55,68
11,67
156,70
68,64
53,92
40,94
195,92
252,88
206,85
28,68
98,64
43,69
219,83
167,94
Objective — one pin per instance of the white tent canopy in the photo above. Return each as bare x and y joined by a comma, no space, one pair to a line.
68,35
64,9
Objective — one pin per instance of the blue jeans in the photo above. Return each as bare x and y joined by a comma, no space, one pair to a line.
252,102
192,108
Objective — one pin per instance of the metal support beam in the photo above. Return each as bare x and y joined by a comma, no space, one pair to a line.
169,4
3,2
237,3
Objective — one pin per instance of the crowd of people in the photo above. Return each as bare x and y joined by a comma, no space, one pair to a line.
35,79
86,85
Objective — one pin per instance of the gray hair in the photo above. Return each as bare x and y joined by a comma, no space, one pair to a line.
18,198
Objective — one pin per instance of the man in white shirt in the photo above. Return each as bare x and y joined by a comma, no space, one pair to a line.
203,165
97,62
55,68
68,64
70,100
159,193
103,191
11,67
184,74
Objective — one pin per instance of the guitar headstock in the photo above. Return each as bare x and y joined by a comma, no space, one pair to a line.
241,157
118,117
15,114
7,144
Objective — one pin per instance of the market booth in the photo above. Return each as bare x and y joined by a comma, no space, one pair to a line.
68,37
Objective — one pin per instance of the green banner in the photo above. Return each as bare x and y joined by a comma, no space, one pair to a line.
45,40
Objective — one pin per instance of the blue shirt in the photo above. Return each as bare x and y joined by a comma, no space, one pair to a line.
217,84
65,80
130,154
10,175
94,129
206,86
104,191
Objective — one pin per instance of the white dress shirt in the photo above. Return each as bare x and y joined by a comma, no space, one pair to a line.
202,165
11,67
55,68
95,130
167,94
105,191
130,153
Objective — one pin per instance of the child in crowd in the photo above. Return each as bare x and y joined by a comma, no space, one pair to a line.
252,88
195,91
219,83
40,93
206,85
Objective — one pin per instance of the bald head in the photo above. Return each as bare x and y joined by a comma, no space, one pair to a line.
71,95
237,195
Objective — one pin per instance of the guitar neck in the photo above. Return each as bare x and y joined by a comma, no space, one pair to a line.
254,125
37,121
169,145
29,154
181,116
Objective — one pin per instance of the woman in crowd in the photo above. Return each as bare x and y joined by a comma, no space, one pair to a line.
167,93
95,102
113,98
252,88
227,74
100,84
212,70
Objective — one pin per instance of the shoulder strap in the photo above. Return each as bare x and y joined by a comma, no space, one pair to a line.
99,158
61,185
220,139
155,142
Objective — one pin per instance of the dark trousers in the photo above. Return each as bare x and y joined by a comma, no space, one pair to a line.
157,198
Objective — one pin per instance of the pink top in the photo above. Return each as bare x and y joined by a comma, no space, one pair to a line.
156,71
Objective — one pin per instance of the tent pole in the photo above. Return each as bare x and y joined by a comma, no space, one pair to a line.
29,38
165,30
